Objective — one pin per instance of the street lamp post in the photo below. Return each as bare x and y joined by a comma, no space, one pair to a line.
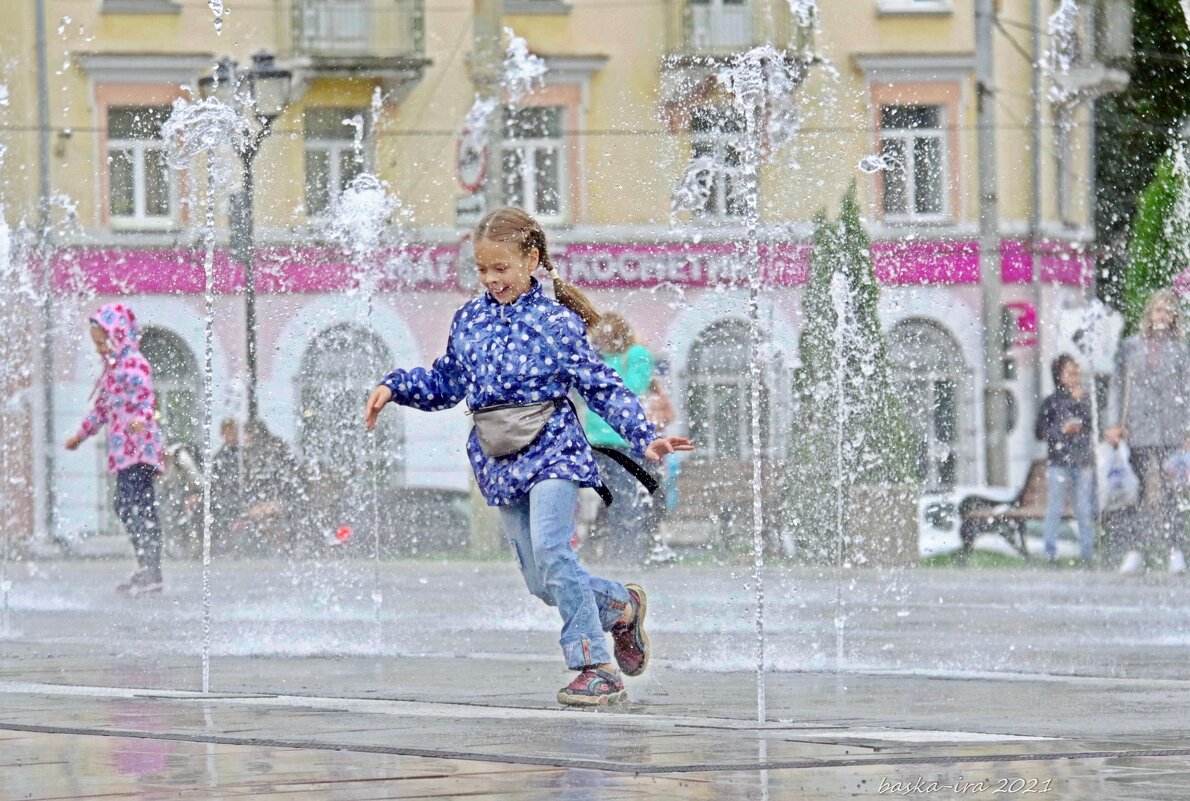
263,92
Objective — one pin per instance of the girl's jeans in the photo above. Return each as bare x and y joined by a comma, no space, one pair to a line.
1059,482
136,506
540,526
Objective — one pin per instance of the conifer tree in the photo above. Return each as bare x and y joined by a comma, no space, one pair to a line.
849,427
1160,245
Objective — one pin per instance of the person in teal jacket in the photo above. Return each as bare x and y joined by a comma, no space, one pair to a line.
627,537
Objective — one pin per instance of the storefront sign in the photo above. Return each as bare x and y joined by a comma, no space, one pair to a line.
594,265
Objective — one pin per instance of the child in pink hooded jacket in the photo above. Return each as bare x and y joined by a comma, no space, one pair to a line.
126,404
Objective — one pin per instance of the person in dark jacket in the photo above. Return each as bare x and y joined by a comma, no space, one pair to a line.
1064,423
227,480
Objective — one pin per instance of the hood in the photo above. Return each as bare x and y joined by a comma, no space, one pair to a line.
119,322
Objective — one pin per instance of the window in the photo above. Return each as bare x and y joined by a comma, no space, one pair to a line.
533,164
715,135
339,371
140,188
933,384
333,155
913,144
332,27
718,401
720,24
915,6
176,382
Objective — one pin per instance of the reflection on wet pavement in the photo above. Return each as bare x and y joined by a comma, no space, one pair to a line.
1073,690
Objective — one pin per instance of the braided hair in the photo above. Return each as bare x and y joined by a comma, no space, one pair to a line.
514,225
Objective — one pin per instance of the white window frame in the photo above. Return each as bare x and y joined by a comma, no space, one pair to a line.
529,148
907,7
908,135
721,24
335,148
336,27
719,141
139,219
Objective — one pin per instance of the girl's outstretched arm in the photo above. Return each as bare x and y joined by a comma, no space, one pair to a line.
440,387
92,424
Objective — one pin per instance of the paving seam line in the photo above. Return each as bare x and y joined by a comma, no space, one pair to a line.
586,764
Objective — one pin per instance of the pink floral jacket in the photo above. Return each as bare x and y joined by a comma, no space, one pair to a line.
124,395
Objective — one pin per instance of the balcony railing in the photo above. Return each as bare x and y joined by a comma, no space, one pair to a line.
358,29
723,27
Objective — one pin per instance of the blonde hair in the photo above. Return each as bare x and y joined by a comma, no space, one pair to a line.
511,224
614,332
1169,299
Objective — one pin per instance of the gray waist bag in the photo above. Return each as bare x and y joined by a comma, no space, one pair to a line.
511,427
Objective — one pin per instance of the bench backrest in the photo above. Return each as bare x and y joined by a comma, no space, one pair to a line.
1033,493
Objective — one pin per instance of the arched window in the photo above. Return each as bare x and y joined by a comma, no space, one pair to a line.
177,382
340,369
935,387
718,393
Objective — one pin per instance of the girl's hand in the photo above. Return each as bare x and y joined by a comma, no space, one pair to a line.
380,396
72,443
136,427
1113,435
661,446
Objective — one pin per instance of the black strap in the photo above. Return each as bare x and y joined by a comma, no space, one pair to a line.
620,458
628,463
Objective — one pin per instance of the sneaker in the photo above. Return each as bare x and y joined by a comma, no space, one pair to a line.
1177,561
593,687
1133,563
142,582
631,642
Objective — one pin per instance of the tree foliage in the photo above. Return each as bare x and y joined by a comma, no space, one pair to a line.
849,427
1160,245
1134,129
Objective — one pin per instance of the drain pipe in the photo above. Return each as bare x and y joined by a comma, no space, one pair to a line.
1035,200
47,284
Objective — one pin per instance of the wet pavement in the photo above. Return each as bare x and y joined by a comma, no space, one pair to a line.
923,683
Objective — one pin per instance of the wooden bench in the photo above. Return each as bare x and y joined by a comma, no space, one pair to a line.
715,501
982,515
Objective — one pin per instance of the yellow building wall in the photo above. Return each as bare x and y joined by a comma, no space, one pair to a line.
629,160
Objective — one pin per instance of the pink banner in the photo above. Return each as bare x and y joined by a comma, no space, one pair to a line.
122,271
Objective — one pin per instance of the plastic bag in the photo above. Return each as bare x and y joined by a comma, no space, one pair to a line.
1119,486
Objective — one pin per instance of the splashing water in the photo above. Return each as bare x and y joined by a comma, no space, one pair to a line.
1177,224
216,7
1062,55
762,84
197,128
872,164
361,216
523,71
193,130
804,12
698,183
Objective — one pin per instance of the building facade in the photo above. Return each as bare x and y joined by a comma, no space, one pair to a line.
887,102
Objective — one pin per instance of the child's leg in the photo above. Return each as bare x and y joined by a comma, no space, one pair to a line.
611,598
1084,510
124,504
551,523
136,504
1057,486
515,519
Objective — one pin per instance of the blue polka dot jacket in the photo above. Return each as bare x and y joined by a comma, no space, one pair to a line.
528,351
